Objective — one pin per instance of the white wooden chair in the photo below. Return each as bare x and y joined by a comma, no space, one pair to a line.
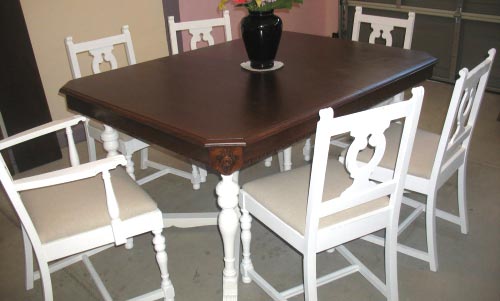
70,214
436,158
382,27
315,209
101,51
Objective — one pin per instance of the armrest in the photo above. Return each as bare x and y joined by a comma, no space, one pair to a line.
70,174
41,130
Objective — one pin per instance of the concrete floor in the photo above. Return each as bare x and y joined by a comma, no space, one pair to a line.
469,265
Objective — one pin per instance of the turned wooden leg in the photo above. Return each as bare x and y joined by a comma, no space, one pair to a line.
227,192
246,236
195,177
130,166
306,151
110,140
161,258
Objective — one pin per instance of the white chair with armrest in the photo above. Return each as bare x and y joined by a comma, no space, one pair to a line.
72,213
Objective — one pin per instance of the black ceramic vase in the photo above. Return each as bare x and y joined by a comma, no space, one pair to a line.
261,33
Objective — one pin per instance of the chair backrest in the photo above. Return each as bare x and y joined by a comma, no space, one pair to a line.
365,127
383,26
461,118
200,30
13,187
101,50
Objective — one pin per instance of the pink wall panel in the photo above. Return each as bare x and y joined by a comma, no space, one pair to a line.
318,17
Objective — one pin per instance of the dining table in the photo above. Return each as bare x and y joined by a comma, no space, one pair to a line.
206,107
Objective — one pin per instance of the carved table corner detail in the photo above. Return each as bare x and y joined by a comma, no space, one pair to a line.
226,160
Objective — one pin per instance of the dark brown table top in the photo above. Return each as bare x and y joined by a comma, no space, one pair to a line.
203,105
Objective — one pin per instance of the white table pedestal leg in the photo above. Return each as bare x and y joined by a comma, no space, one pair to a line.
227,192
110,140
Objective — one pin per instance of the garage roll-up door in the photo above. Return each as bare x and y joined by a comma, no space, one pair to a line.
457,32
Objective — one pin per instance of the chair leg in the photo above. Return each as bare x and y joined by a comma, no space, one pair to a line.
306,151
91,149
46,280
287,158
144,157
161,258
310,282
462,199
203,174
28,256
391,265
130,165
129,244
196,177
246,237
430,221
268,161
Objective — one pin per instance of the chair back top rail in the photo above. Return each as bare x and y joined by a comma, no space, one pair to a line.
100,50
383,26
200,30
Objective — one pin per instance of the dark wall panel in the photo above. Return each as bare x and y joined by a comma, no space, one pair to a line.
477,39
435,36
435,4
22,99
487,7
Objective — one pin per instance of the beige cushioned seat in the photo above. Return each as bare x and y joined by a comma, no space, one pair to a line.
81,205
422,157
285,195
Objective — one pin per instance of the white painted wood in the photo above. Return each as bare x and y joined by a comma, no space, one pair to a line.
59,265
316,239
161,258
67,250
190,220
306,151
227,193
451,157
383,26
28,258
200,30
101,51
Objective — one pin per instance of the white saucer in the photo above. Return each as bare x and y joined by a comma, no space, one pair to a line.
277,65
